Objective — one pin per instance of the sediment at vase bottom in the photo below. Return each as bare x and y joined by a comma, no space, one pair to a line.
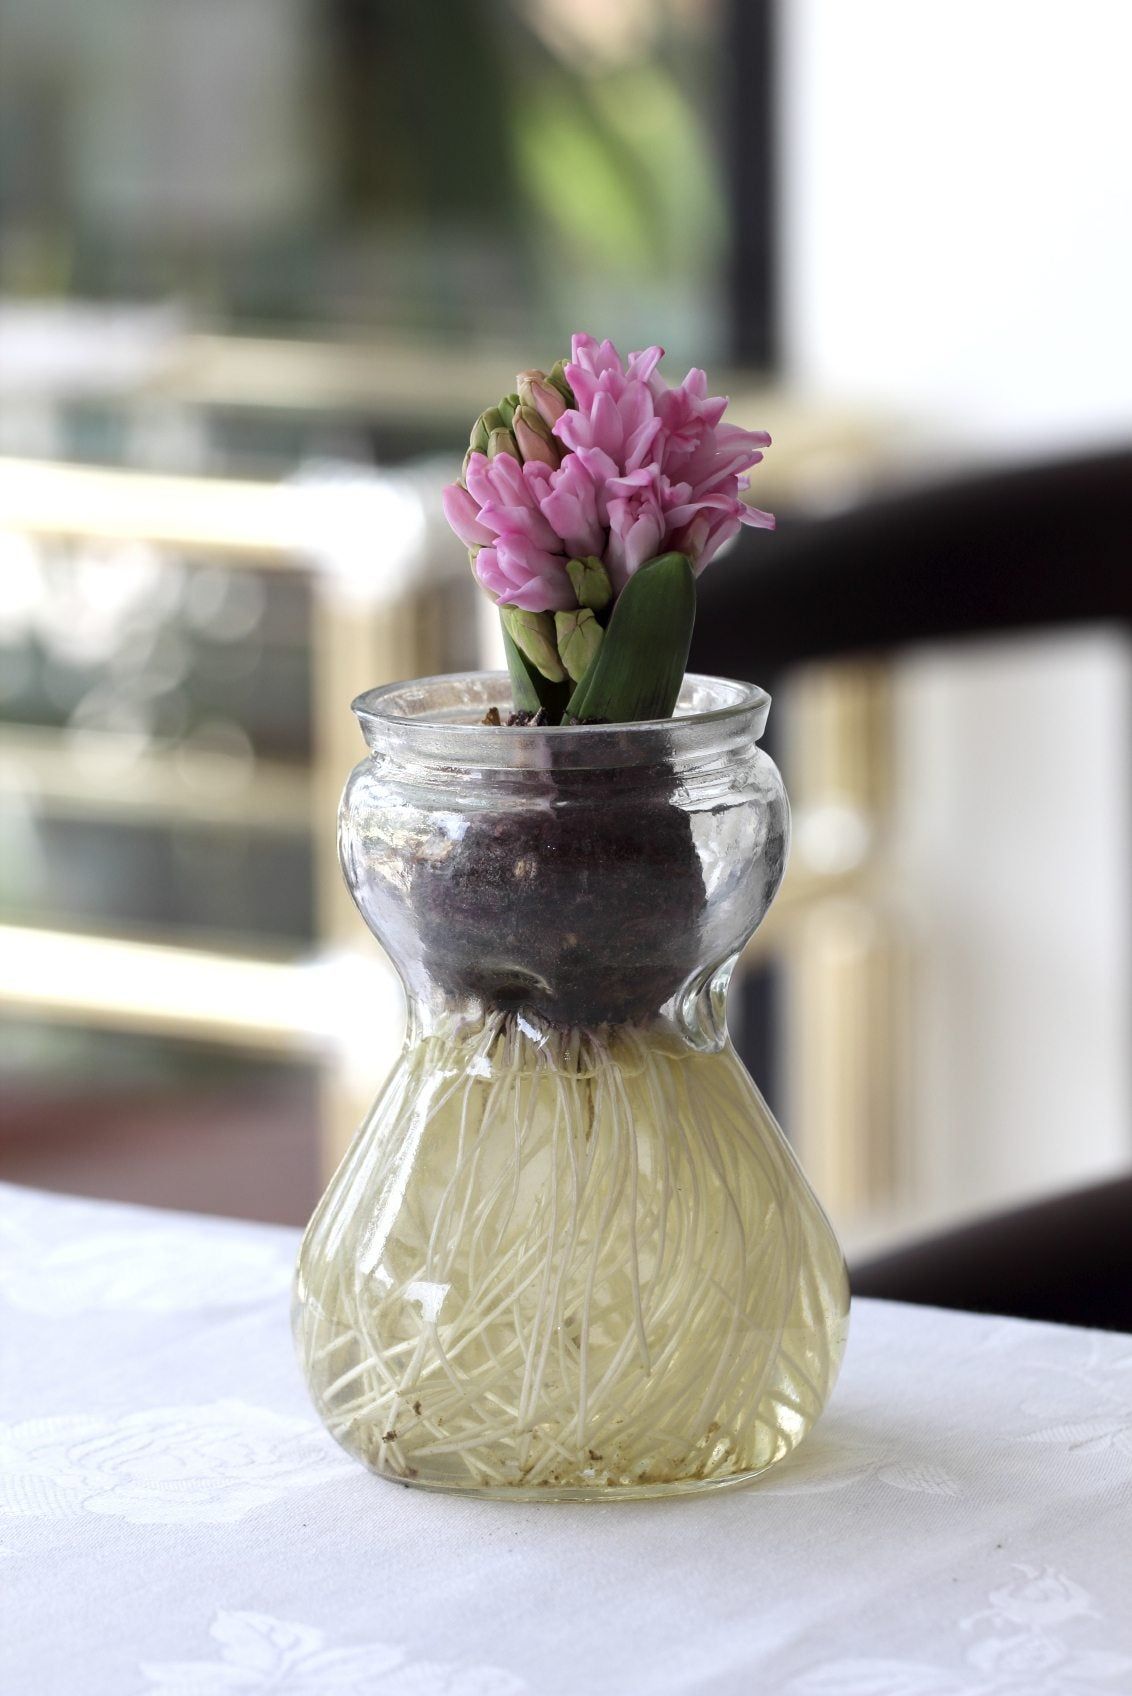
569,1265
579,1492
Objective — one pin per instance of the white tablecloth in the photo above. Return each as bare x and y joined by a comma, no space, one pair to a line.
173,1522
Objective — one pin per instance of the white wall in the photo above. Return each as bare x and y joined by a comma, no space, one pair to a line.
958,251
1015,838
958,240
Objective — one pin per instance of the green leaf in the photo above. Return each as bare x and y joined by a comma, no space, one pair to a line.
530,690
640,665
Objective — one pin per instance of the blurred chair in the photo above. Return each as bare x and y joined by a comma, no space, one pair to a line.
1066,1259
1040,547
1036,547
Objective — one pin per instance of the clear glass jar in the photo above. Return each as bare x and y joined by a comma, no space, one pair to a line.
569,1254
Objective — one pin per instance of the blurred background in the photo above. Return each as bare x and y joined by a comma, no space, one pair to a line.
261,264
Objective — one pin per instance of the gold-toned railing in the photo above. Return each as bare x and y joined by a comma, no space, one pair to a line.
366,628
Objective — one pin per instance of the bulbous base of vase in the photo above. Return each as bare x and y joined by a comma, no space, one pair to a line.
569,1265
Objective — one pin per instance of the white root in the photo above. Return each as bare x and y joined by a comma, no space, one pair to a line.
569,1262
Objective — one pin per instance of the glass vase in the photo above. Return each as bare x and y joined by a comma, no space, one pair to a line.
569,1254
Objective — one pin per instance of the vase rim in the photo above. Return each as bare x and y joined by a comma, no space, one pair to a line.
440,718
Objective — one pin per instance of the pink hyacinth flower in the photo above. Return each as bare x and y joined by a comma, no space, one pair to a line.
645,469
462,513
614,421
520,575
520,559
637,524
571,508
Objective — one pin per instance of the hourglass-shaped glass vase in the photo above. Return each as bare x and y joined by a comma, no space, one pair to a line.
569,1254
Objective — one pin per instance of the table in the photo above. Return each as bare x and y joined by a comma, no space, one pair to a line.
173,1521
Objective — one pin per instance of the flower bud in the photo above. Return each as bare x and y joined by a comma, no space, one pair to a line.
557,376
591,582
579,636
534,438
533,634
502,441
538,393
